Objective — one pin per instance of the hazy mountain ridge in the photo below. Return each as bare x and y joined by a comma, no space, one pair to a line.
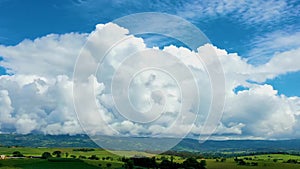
185,145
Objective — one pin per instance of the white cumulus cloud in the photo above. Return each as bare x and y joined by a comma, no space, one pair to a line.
37,96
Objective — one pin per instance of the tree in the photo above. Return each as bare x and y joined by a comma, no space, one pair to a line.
223,159
172,159
18,154
129,164
57,153
108,165
144,162
241,162
93,157
165,164
83,157
203,163
67,154
193,163
46,155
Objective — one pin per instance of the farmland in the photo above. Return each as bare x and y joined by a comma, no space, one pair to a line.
264,162
77,158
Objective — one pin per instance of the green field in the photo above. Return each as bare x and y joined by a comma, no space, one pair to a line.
269,161
41,164
45,164
93,164
263,163
114,160
26,151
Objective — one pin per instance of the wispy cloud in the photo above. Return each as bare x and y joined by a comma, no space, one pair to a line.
248,12
265,46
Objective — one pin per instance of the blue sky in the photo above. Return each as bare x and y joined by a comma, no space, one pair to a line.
229,29
257,42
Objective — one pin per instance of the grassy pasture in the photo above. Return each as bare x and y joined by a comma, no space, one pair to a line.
43,164
85,164
268,161
230,164
27,151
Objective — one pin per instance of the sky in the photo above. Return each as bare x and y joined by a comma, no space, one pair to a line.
257,43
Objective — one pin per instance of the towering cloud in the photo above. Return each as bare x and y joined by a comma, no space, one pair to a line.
37,96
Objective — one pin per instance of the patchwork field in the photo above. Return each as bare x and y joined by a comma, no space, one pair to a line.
109,160
263,163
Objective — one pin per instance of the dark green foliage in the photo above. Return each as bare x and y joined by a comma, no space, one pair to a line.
165,164
57,153
247,158
144,162
93,157
46,155
202,164
292,161
82,157
17,154
129,164
193,163
67,154
241,162
108,165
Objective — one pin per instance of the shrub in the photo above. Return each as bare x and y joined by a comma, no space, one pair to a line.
73,156
108,165
57,153
17,154
93,157
46,155
83,157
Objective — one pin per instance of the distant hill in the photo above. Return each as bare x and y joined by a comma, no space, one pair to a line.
239,145
39,140
190,145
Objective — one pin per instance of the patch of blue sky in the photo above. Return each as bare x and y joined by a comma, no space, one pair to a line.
226,33
240,88
31,19
288,84
160,41
2,69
